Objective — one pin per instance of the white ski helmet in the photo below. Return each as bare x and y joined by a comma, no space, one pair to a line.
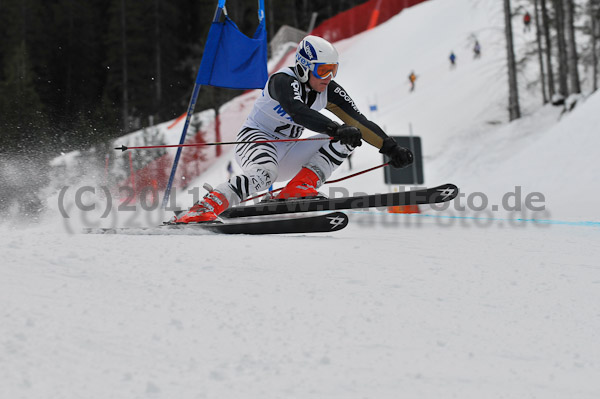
315,54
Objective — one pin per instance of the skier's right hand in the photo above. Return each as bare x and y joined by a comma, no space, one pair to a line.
349,135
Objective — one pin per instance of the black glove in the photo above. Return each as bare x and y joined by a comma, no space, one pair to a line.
347,135
400,157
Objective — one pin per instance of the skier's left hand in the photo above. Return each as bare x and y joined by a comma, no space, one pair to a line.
349,135
400,157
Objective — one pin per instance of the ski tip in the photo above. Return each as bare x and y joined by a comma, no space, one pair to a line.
448,191
337,220
122,148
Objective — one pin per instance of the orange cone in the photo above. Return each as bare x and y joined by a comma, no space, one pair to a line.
404,209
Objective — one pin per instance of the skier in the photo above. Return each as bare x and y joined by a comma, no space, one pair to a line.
526,22
412,78
289,103
476,49
452,59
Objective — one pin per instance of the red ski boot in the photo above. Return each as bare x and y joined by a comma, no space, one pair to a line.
303,185
207,210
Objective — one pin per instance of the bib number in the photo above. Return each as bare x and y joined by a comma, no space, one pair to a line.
294,133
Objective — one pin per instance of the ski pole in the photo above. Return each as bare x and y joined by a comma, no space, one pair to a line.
357,173
327,182
124,148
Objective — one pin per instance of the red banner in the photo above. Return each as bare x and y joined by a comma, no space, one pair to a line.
359,18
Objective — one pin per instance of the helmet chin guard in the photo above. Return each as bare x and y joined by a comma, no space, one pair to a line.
311,51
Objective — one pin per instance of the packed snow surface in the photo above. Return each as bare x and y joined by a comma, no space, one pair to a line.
423,308
465,302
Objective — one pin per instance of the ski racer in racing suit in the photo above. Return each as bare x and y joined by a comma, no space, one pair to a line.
289,103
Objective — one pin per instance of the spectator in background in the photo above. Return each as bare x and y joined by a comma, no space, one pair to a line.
476,50
412,78
452,60
526,22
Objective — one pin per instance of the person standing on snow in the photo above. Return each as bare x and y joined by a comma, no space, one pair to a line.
412,78
289,103
476,49
526,22
452,59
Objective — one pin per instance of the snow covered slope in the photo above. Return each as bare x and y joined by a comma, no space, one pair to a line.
421,308
446,304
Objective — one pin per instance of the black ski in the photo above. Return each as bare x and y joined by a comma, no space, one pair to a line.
323,223
443,193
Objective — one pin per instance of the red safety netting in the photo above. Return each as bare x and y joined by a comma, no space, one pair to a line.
359,18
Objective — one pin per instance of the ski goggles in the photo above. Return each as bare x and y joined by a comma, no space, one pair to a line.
323,70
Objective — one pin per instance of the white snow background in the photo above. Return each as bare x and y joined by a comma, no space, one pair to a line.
444,304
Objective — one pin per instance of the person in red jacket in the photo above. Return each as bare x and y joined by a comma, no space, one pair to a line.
526,22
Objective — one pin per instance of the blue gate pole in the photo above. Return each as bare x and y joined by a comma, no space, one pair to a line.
190,112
